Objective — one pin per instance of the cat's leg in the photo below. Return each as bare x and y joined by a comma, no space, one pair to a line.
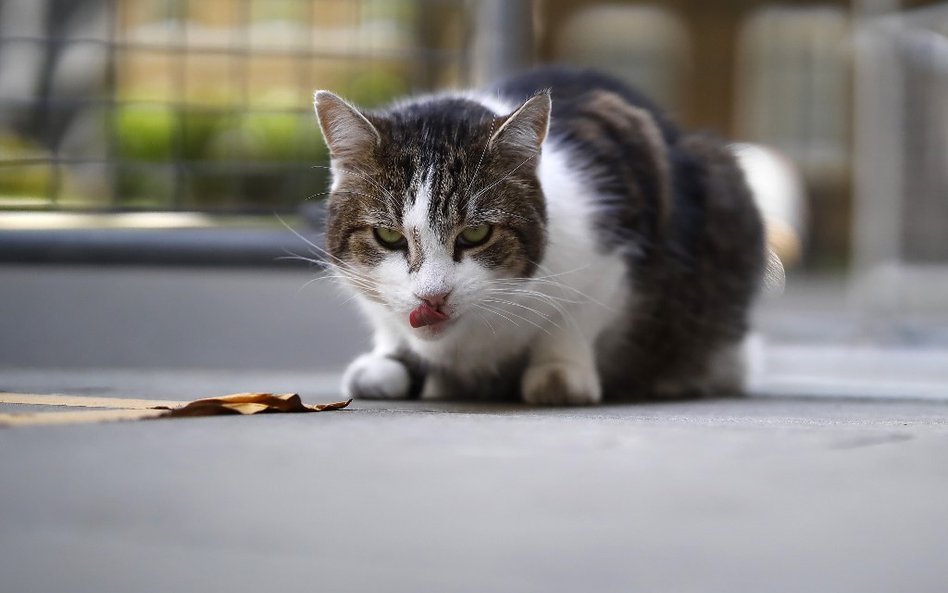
379,374
725,375
438,386
728,370
562,371
562,367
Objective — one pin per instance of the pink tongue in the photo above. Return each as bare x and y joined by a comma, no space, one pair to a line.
424,314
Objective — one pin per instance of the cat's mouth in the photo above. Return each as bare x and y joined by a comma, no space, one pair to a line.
424,315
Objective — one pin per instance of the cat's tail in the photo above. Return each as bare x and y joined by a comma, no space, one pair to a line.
778,190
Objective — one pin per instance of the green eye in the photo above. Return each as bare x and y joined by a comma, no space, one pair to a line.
389,237
473,236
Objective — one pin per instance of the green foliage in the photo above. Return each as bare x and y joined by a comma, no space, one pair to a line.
376,87
144,132
198,129
222,158
268,136
23,180
148,186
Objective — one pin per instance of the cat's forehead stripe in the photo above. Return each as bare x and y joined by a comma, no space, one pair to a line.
416,251
418,201
429,204
446,137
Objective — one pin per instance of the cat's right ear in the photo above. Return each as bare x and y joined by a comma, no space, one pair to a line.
347,132
525,129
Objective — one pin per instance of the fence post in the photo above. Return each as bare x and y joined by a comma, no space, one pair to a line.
503,39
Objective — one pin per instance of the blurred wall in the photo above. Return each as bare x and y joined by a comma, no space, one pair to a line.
775,73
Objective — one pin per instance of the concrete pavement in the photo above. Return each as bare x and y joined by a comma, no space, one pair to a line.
761,494
837,491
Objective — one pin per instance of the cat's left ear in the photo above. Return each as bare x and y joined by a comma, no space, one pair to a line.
525,129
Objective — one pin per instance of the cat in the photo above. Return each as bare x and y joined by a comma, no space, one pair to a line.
555,239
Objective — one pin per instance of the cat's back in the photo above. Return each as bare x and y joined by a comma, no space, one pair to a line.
615,141
677,207
574,92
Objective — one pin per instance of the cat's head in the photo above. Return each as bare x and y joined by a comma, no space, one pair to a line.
434,203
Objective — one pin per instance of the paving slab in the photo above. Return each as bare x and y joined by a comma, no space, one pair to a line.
831,477
755,494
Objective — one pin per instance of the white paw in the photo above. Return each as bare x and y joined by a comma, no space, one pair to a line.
561,383
373,376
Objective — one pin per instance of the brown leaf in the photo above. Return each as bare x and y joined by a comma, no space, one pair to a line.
250,403
119,409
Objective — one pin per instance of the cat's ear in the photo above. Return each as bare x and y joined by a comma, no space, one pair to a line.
347,132
525,129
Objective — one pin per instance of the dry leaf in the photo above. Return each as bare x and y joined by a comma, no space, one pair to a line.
250,403
138,409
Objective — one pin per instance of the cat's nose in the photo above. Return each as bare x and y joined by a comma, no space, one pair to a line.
435,300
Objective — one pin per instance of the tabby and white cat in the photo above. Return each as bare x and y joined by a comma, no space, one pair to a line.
556,239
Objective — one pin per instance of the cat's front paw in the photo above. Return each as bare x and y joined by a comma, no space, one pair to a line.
561,384
373,376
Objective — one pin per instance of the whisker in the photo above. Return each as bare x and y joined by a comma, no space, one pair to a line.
505,176
548,280
325,264
525,283
496,312
290,256
316,248
342,191
497,213
536,294
351,297
338,278
477,169
565,313
518,316
364,176
522,306
490,325
306,284
351,275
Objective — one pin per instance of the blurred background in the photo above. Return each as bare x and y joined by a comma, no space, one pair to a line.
181,132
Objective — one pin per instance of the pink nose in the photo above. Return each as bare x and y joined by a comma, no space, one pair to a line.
435,300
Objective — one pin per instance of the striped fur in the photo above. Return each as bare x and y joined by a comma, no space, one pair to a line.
623,257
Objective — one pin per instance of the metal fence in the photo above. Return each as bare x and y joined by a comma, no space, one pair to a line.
900,279
902,139
199,105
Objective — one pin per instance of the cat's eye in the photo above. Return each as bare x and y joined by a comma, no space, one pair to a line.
473,236
389,238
